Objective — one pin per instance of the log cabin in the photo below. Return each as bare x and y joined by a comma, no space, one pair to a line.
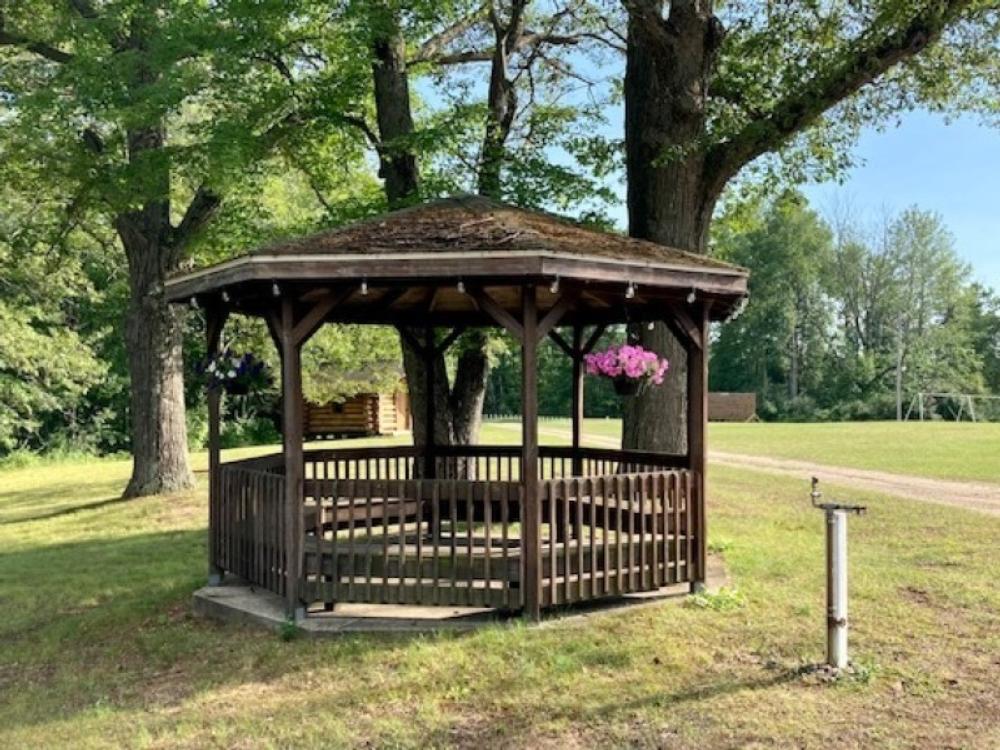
361,415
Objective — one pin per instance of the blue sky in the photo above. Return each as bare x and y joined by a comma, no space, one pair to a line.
950,168
953,169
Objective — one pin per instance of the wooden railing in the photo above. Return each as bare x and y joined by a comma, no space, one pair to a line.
556,462
487,463
389,462
374,530
614,535
247,524
503,462
450,542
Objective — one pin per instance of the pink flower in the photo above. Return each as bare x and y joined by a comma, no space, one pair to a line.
630,361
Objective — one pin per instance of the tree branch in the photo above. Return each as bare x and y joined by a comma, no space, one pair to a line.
358,122
873,57
200,210
431,48
460,58
522,41
514,30
84,8
13,39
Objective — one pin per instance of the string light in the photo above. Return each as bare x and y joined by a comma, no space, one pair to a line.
364,287
740,307
555,286
692,296
275,290
630,291
650,326
460,286
225,296
194,303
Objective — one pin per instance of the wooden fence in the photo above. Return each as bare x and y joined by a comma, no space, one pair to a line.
247,522
450,542
373,530
615,535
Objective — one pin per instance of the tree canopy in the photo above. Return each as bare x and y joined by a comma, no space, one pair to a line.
140,136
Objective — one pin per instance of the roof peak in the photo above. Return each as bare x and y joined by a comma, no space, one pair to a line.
471,226
465,222
472,202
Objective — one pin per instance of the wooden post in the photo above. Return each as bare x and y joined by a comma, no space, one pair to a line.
291,419
697,352
215,320
577,398
529,455
430,439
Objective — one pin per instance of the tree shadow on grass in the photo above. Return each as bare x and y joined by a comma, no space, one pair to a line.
14,503
107,622
70,510
112,617
501,729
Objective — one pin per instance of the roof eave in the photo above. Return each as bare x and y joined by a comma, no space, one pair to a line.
403,266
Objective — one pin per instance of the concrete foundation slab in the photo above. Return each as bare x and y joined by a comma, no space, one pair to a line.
237,602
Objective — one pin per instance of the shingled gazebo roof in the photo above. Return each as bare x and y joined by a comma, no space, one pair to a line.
477,241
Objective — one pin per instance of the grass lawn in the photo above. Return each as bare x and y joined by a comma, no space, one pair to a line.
943,450
99,648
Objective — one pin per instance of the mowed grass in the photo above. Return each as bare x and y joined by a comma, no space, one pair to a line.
943,450
100,650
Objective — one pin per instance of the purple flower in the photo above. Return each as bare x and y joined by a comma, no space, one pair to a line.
234,372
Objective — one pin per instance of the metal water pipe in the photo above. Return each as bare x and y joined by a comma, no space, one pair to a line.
836,575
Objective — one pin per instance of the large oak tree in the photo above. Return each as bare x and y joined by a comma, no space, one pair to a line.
712,86
497,143
146,112
710,89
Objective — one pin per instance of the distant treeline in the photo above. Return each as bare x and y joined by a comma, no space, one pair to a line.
849,318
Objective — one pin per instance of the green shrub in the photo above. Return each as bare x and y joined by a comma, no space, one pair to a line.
254,430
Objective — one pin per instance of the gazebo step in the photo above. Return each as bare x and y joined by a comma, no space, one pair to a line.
345,511
425,591
371,557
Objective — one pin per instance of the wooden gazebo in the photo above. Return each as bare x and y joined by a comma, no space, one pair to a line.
516,528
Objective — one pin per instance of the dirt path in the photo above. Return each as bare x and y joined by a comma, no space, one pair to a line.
977,496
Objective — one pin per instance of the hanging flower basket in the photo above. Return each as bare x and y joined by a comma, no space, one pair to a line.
235,374
237,389
630,368
627,386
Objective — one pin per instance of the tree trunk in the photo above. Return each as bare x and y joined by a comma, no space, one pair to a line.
458,412
153,339
793,364
669,202
397,162
416,383
501,102
468,392
899,383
